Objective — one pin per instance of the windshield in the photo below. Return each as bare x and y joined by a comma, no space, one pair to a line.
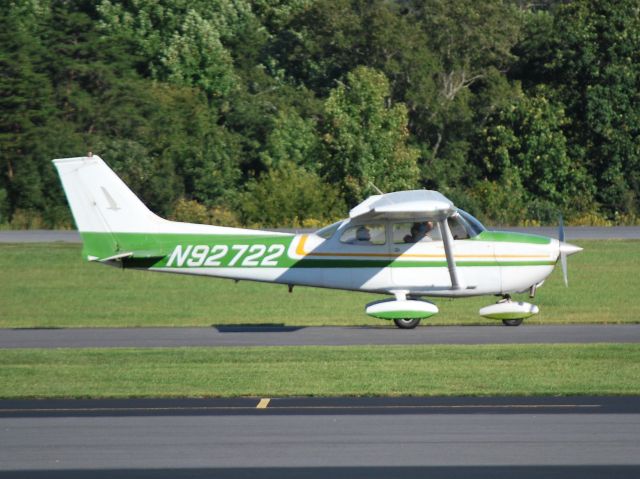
327,231
471,224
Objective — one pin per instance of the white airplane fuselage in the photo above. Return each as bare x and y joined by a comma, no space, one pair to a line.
407,244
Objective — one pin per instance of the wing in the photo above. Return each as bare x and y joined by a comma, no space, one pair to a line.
423,204
427,204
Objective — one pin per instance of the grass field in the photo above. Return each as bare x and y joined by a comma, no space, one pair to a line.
594,369
48,286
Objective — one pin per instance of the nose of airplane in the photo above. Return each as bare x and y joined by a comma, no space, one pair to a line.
569,249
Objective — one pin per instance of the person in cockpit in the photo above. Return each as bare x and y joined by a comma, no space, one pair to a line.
419,232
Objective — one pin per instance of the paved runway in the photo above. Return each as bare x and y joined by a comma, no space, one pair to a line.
224,336
583,437
572,233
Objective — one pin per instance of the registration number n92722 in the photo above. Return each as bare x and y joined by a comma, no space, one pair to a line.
195,256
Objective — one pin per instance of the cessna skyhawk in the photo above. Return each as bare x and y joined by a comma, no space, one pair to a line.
407,244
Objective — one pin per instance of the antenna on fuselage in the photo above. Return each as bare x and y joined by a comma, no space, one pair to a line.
378,190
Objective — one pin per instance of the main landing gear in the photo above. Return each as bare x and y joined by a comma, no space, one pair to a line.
406,312
406,323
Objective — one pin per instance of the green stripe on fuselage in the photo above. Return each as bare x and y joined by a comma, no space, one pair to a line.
363,263
159,246
157,250
511,237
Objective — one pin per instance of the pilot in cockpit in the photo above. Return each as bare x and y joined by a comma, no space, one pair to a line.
419,232
363,236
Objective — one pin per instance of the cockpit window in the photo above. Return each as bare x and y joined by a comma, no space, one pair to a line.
328,231
464,221
365,235
415,232
457,227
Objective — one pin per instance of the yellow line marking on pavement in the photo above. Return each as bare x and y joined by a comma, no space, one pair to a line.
264,402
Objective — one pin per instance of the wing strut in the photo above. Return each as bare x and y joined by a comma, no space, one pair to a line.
447,239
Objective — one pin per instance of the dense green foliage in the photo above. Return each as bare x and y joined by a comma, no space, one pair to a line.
288,112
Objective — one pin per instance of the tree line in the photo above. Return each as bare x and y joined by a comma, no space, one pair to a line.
289,112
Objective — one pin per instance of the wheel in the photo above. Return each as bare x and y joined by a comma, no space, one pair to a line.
406,323
512,322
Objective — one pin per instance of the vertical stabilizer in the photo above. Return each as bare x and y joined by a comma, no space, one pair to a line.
105,210
100,201
111,219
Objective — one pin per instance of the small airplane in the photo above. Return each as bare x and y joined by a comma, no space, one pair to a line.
406,244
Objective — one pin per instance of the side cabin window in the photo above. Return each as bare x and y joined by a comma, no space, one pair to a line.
422,231
415,232
364,235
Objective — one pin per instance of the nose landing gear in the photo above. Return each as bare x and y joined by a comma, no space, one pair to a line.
511,313
512,322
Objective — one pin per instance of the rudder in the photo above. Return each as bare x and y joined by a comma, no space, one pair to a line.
102,205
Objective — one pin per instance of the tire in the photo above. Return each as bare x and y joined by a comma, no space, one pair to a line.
512,322
406,323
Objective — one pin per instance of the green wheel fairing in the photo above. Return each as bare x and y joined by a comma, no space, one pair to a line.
402,315
512,315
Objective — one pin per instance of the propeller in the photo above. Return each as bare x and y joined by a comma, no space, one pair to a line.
566,249
563,255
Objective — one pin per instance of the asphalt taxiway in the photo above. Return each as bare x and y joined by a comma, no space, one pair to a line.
225,336
584,437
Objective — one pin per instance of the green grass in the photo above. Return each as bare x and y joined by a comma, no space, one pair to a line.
594,369
48,285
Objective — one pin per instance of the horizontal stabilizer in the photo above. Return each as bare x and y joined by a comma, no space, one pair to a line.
142,254
111,258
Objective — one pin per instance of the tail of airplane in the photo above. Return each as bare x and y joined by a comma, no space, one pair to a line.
113,222
100,201
107,213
